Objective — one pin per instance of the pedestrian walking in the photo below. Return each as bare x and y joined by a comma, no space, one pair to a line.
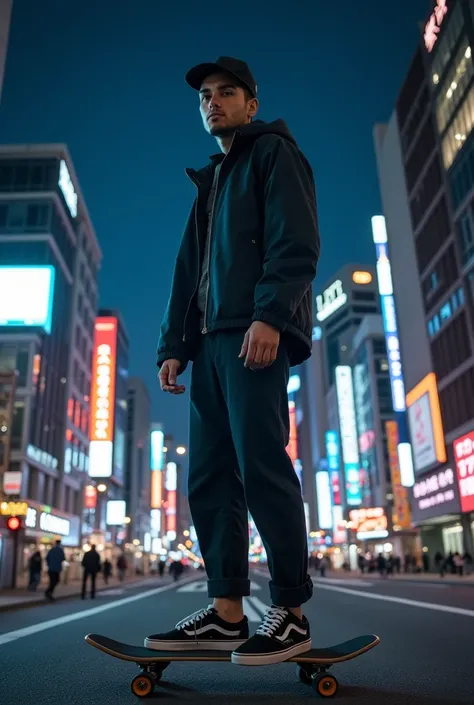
35,567
323,566
107,570
121,567
382,565
161,568
241,310
458,561
54,560
91,566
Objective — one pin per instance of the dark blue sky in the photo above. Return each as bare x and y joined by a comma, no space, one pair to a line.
106,77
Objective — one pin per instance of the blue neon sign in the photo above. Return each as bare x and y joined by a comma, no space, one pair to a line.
332,450
389,316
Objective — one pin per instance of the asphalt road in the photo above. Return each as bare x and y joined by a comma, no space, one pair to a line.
425,656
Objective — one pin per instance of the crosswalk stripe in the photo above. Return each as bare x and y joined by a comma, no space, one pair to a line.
250,612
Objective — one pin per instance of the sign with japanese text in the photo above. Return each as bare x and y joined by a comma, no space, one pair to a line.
401,507
464,457
434,23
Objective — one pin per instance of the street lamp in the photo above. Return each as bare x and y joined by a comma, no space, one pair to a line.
102,488
181,450
127,520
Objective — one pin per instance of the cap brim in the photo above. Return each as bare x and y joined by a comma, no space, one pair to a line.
199,73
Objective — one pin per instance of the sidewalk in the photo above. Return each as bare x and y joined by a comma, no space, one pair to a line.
20,597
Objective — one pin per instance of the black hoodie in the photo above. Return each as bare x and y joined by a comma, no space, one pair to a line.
264,246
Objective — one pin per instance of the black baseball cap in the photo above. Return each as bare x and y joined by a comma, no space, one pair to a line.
227,64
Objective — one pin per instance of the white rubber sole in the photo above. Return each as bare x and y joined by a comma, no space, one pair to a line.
193,645
270,658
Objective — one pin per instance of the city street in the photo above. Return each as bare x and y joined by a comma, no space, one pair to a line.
424,656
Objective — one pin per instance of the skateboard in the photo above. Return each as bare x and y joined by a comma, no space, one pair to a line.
311,669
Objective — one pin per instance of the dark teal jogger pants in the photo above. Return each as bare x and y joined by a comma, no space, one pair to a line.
239,430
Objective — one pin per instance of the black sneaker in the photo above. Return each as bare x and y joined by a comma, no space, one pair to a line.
280,637
202,630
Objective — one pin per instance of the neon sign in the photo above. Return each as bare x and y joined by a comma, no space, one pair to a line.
347,420
434,23
330,300
67,188
464,455
385,285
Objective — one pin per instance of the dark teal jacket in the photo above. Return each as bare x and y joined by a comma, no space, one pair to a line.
264,246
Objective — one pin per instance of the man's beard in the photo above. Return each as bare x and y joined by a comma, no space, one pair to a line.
222,131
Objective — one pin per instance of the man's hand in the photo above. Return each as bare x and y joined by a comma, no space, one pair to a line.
167,376
260,346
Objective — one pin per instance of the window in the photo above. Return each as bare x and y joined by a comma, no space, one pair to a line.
457,401
466,236
22,365
459,131
363,295
462,174
433,235
453,22
454,86
17,425
423,147
445,312
410,89
426,191
38,216
452,346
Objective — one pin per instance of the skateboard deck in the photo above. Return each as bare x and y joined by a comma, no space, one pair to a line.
312,666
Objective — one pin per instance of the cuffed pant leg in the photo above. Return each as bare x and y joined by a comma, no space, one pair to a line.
259,420
216,492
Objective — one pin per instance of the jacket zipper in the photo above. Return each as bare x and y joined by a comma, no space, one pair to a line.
209,235
199,259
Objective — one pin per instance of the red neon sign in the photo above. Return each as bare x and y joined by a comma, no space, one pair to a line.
103,379
464,456
13,523
434,23
171,511
90,497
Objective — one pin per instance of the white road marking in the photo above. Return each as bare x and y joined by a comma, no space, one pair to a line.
255,586
259,606
252,614
59,621
355,582
197,586
398,600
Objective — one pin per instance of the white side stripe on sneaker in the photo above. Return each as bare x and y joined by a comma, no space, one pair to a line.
211,627
287,631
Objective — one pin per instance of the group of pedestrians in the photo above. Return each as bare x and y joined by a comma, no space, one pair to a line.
453,563
91,567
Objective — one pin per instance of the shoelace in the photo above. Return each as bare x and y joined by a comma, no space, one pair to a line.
273,619
195,617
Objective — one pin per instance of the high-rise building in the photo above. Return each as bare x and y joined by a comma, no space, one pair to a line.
49,258
108,427
137,470
424,158
5,17
350,295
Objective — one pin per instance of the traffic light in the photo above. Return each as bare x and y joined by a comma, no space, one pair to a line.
13,523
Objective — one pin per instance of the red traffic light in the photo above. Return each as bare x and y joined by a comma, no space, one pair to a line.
13,523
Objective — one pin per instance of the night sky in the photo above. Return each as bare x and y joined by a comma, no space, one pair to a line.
106,78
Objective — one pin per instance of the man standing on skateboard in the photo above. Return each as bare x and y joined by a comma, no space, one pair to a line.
241,310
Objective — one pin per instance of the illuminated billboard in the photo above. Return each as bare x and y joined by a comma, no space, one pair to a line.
426,426
330,301
26,296
157,456
369,523
347,421
464,457
401,506
104,363
385,285
116,510
323,496
433,25
171,486
334,464
292,447
67,188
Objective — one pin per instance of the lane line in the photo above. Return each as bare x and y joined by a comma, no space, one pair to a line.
252,614
260,606
398,600
59,621
354,582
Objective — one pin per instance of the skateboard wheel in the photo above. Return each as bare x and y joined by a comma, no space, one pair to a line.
304,675
142,686
325,685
